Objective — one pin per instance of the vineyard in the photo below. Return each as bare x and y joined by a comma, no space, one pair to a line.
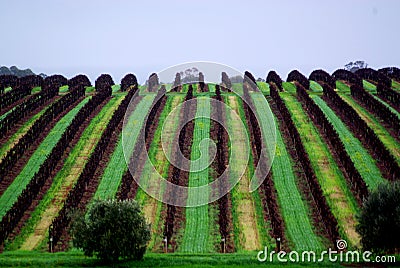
62,146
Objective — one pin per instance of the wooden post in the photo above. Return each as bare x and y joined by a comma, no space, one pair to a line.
165,240
278,244
51,239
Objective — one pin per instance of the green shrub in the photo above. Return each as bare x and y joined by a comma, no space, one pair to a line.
111,230
379,221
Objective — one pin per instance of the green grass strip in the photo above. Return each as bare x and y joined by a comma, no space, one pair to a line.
89,90
195,87
116,167
10,196
142,89
315,87
238,88
76,258
196,236
264,87
294,212
64,89
36,90
369,86
66,177
211,87
362,160
333,184
7,113
395,85
289,87
342,87
115,88
387,139
185,88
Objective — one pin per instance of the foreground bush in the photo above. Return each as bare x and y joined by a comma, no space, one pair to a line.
379,221
111,230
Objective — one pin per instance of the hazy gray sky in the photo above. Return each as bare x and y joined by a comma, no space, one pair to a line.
117,37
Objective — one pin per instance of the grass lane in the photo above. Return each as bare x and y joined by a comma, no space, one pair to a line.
64,89
211,87
238,88
196,237
315,87
369,87
395,85
77,259
115,88
264,87
299,228
342,87
7,113
289,87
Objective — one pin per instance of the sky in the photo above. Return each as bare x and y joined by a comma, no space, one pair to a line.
142,37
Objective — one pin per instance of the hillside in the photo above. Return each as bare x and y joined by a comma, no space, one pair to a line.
335,138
